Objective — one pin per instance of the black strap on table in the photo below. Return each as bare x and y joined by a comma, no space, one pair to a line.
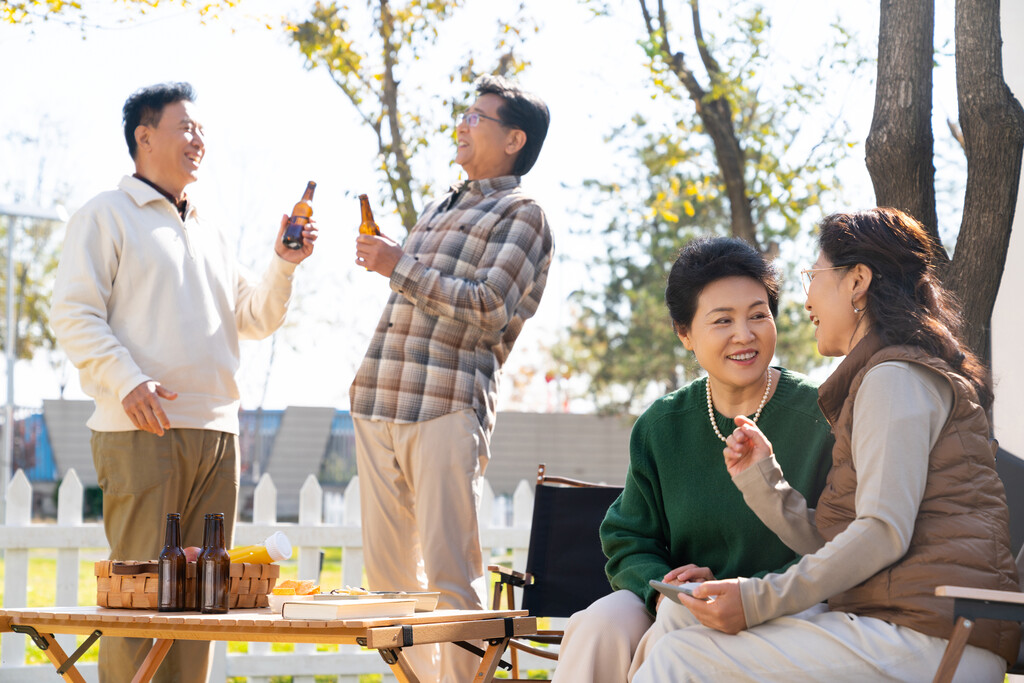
407,640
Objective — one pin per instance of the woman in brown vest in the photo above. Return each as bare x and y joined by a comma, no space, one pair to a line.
912,501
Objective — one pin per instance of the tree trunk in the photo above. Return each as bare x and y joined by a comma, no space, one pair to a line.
714,112
993,126
716,115
400,177
900,144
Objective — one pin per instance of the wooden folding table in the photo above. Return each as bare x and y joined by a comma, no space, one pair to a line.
387,635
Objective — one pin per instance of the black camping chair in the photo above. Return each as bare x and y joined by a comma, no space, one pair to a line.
977,603
565,564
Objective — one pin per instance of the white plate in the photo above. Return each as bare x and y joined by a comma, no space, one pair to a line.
276,601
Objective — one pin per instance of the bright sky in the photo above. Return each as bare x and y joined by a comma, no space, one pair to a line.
272,125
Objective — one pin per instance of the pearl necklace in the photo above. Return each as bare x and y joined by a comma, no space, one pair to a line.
711,406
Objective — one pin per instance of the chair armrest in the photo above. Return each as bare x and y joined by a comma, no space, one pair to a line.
506,575
1011,597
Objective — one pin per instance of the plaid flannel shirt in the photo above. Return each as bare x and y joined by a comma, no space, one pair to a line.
470,276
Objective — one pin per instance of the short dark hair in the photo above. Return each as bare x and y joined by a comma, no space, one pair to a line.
523,111
707,259
146,105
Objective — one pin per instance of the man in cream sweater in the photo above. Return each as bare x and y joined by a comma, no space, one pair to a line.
149,305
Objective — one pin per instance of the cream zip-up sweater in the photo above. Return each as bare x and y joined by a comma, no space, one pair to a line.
142,295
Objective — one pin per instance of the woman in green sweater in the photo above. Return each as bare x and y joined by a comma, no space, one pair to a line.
680,518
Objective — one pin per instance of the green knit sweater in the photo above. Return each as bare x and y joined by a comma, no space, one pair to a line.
679,505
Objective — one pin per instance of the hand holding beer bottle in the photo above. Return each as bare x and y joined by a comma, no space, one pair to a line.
378,255
301,214
367,226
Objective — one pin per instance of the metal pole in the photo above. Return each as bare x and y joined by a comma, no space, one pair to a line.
8,458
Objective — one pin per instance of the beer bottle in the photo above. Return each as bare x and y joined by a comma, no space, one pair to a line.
171,568
367,226
214,571
207,536
299,218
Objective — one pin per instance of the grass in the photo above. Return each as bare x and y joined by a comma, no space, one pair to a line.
42,580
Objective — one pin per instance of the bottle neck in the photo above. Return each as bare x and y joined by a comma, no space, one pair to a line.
217,539
307,196
172,536
207,532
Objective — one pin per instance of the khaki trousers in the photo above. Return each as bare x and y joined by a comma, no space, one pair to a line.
419,487
143,477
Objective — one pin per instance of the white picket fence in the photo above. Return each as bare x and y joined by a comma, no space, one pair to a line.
70,535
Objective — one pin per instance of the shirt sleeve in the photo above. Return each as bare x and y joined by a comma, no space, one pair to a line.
517,250
79,306
898,415
260,308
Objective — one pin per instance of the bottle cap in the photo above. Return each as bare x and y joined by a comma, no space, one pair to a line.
278,546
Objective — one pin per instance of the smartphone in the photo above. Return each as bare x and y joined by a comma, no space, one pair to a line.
672,591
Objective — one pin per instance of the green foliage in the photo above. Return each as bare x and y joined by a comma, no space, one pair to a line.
35,266
369,55
28,11
673,190
365,54
37,241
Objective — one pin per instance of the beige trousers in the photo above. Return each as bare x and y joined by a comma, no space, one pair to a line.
419,487
809,647
143,477
600,640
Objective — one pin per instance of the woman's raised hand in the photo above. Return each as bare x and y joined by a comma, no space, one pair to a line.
745,446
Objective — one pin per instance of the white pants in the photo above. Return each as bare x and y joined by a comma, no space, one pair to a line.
824,646
600,640
419,486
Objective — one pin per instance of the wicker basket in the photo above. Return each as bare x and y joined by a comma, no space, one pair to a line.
133,585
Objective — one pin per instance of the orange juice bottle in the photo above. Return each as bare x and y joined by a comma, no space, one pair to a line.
274,549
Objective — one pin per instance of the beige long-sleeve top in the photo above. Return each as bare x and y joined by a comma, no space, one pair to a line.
143,295
900,410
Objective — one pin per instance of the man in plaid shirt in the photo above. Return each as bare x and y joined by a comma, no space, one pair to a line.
472,270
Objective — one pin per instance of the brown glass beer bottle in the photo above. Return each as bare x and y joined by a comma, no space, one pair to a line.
171,568
213,574
207,536
367,226
301,214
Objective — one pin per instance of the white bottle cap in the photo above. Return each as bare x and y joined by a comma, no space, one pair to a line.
278,546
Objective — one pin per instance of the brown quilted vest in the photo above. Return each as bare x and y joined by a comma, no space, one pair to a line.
961,534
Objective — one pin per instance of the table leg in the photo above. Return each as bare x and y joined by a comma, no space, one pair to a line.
489,662
57,656
153,659
400,666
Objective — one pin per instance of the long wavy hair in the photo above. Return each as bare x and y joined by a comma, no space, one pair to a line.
906,302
